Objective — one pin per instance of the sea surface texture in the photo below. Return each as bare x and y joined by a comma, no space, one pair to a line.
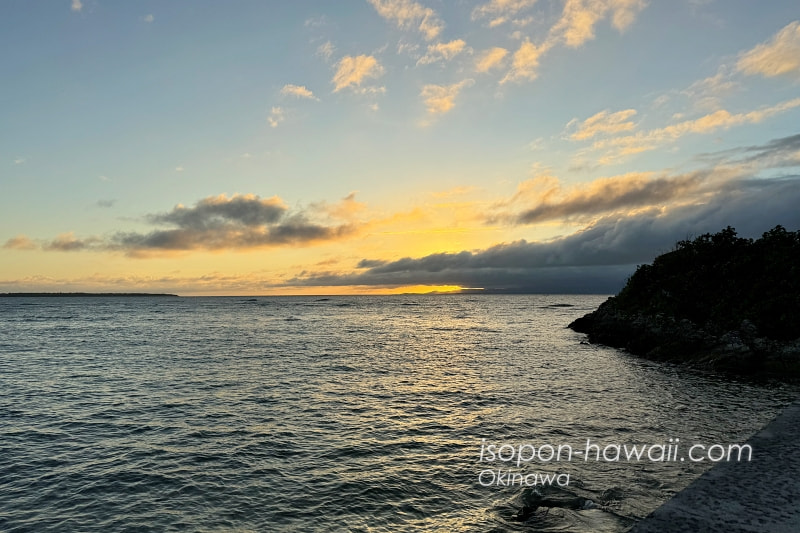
338,414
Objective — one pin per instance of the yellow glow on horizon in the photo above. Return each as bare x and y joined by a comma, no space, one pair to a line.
345,290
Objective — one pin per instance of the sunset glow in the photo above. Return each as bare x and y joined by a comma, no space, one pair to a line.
387,146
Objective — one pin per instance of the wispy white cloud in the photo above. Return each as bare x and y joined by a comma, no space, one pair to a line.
440,99
439,51
276,116
300,91
325,50
370,90
19,161
778,57
410,15
719,120
603,123
148,18
77,5
707,93
500,11
316,22
490,59
351,71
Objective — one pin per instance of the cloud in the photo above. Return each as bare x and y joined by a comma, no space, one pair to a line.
437,52
77,5
440,99
407,14
778,153
299,91
784,152
544,198
708,92
19,161
276,116
316,22
525,62
214,211
579,17
371,263
490,59
604,122
67,242
148,18
778,57
20,242
105,203
215,223
353,70
712,122
179,168
598,257
500,11
235,222
326,50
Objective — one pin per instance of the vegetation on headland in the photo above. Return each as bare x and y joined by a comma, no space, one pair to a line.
718,301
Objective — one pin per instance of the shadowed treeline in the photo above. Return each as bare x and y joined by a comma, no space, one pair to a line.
719,300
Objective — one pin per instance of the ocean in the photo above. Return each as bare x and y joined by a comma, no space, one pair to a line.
346,413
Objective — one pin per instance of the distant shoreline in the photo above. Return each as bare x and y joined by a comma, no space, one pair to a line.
79,294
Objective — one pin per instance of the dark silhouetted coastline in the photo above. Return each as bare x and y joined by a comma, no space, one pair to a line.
718,301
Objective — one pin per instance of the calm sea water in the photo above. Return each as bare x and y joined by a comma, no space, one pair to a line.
334,414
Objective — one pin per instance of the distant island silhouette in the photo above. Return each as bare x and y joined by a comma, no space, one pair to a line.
79,294
719,301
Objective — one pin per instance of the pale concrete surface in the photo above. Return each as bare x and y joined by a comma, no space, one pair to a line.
762,495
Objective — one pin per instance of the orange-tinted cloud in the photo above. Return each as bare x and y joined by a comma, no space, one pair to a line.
351,71
544,198
491,58
20,242
410,15
778,57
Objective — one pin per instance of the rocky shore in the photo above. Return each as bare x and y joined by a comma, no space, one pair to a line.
719,302
741,351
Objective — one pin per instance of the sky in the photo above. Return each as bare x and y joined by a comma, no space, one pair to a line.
387,146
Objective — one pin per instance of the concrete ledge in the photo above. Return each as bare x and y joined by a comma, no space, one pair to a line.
757,496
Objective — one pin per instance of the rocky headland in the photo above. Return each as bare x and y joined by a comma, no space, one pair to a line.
719,302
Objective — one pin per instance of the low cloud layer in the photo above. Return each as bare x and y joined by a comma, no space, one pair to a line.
237,222
597,258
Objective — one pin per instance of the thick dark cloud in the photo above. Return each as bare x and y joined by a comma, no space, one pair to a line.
597,258
370,263
219,211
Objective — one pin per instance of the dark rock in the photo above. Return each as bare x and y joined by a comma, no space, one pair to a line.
683,309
